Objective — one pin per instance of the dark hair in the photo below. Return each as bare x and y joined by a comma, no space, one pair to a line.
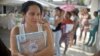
57,8
76,11
69,13
95,13
25,6
88,9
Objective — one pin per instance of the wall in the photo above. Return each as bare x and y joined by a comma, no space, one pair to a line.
11,2
98,35
94,6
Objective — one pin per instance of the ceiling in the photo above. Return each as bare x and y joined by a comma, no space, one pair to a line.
43,2
19,2
47,3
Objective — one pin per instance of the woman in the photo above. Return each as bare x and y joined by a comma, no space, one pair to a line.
66,34
75,19
84,23
58,19
32,13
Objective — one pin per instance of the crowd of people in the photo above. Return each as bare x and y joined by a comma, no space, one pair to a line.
79,19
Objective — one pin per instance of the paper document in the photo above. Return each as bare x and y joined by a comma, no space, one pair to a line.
69,27
31,42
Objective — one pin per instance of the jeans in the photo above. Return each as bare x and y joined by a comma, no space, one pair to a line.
57,37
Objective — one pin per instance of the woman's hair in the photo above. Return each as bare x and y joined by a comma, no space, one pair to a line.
25,6
57,8
88,9
75,11
69,13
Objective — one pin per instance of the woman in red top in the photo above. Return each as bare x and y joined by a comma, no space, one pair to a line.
65,35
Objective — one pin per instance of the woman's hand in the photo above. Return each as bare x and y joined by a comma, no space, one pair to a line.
42,21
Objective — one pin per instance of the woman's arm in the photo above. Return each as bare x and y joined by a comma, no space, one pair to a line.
49,50
13,44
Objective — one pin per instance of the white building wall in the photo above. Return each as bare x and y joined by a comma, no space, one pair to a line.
94,6
98,34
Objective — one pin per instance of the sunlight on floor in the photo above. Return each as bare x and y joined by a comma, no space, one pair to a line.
79,49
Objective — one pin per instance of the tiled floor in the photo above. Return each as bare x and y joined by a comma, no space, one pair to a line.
78,50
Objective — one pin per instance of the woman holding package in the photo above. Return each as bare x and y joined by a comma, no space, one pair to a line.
66,31
32,14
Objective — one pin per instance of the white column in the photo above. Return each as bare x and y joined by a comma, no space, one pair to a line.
98,34
99,4
94,6
98,38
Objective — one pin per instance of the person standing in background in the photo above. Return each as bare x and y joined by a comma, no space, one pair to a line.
66,34
58,18
94,23
75,19
84,23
